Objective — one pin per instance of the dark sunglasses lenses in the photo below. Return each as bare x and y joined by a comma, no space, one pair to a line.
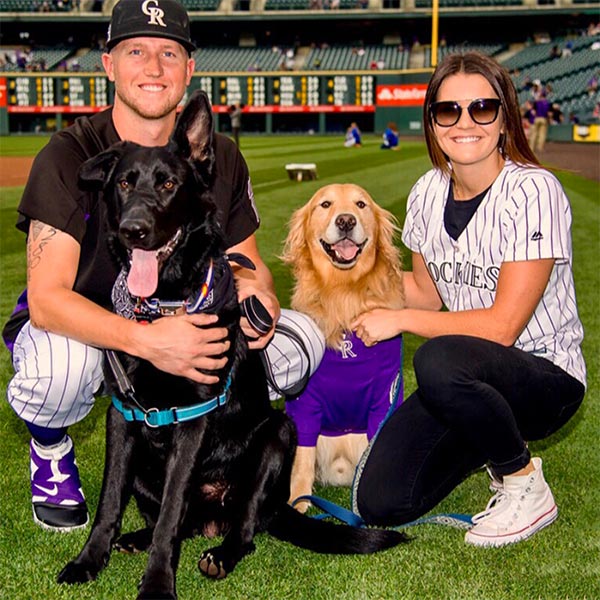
483,112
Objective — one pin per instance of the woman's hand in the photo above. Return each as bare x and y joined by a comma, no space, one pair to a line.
377,325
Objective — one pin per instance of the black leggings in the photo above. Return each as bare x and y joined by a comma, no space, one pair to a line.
476,403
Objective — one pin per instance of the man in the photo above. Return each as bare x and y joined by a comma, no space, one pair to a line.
65,318
539,130
235,114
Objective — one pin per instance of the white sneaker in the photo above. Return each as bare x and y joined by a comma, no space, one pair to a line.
496,484
523,506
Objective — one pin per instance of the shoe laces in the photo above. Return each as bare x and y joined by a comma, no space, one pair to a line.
503,507
496,505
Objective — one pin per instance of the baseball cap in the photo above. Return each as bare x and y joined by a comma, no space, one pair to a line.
150,18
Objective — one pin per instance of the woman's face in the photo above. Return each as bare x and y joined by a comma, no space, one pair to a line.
467,143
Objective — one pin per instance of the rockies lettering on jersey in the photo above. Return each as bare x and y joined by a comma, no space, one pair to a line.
469,274
525,215
346,349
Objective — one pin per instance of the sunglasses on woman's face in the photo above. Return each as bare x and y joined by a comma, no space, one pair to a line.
483,111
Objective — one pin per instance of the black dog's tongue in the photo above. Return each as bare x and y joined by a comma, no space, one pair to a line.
142,280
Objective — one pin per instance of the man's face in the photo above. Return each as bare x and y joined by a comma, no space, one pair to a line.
150,74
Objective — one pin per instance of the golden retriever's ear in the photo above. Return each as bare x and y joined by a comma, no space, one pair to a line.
295,241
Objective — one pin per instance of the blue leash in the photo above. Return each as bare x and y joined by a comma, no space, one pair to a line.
332,510
352,517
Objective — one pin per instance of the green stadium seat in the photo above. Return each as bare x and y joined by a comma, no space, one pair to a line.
201,5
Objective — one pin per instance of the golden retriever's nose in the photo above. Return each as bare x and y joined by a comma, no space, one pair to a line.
345,222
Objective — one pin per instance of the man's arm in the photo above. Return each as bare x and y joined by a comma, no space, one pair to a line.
179,345
257,283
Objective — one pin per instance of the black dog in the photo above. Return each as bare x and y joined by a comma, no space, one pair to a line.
224,472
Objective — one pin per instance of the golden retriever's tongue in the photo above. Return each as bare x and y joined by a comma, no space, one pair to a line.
345,249
142,280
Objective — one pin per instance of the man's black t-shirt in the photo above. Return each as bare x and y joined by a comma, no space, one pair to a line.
53,197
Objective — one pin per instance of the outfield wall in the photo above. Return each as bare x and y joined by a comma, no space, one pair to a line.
274,102
301,102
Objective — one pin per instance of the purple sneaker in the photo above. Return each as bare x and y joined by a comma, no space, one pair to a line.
56,494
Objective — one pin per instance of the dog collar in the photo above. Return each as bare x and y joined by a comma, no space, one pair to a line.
210,293
153,417
149,309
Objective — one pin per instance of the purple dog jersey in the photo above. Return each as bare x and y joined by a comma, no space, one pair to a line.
349,392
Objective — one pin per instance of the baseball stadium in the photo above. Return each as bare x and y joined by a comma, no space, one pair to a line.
303,72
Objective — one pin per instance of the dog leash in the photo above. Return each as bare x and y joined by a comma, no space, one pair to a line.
153,417
353,517
346,516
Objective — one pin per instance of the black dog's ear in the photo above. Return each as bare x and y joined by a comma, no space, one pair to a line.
194,131
96,172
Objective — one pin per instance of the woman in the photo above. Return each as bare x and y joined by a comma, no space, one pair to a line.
490,234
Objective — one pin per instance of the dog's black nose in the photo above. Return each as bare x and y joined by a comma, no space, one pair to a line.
345,222
134,230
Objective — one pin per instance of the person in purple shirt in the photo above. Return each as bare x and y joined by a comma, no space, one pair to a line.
539,129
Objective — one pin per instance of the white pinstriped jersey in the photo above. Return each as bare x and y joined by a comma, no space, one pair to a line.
524,216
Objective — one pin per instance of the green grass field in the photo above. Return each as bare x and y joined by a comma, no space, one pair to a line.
562,562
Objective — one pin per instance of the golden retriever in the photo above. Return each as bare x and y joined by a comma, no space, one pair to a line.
341,249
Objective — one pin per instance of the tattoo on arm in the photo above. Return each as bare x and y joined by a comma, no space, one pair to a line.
41,235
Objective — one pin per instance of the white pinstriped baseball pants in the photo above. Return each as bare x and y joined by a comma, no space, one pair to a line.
56,377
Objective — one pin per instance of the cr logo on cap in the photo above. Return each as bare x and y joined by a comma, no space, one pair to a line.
156,14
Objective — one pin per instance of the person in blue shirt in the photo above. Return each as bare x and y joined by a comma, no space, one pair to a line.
353,136
391,138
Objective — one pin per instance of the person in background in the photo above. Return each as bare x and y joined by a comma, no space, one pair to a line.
353,137
527,117
489,231
541,121
391,137
235,114
556,115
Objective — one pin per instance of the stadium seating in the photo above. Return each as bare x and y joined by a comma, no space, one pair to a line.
90,61
346,58
40,59
286,4
16,5
567,75
539,53
236,59
468,3
201,5
306,4
489,49
34,6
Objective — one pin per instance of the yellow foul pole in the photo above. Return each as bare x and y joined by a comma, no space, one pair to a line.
434,32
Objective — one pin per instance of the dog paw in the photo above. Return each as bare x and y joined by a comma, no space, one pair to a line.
78,572
218,562
212,565
134,542
301,506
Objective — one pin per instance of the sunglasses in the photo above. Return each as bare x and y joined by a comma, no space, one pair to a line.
483,111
